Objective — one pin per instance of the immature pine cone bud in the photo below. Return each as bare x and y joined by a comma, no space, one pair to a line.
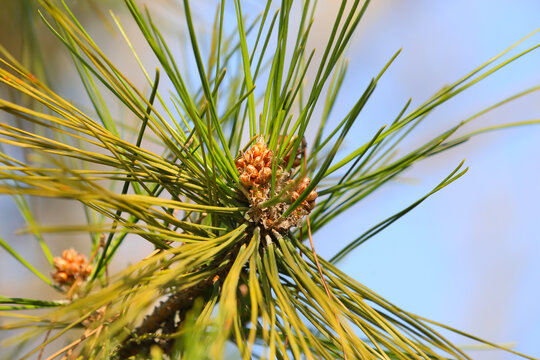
70,267
309,203
255,165
255,171
297,156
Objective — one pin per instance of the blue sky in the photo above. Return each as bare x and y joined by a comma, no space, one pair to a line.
468,256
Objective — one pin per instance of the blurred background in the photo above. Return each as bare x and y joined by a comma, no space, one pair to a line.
466,257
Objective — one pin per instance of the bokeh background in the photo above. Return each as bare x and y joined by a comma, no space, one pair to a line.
468,256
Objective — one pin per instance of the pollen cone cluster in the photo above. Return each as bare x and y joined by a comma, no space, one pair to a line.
255,165
70,267
255,170
299,152
309,203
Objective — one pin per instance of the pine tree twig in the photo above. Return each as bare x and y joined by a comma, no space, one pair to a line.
163,316
86,335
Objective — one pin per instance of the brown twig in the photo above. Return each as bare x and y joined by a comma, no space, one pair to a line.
86,334
163,314
45,340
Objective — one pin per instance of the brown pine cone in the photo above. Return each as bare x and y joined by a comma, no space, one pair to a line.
70,267
255,165
309,203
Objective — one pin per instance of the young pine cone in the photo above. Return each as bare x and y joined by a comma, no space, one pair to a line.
299,152
309,203
70,267
255,165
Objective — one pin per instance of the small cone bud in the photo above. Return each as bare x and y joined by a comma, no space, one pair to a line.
255,168
70,267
